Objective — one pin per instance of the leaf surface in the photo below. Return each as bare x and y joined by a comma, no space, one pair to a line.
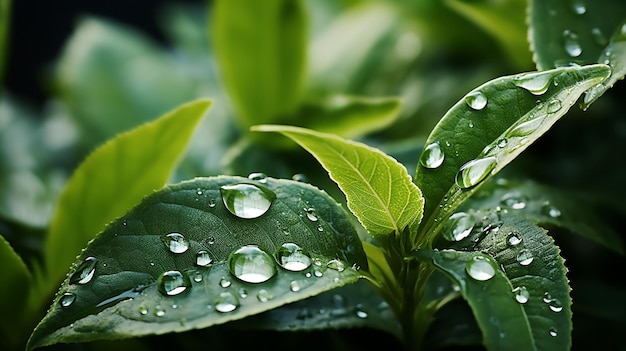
491,126
378,189
16,280
175,261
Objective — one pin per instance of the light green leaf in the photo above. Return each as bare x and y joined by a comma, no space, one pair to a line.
261,51
491,126
112,179
16,281
572,31
517,287
175,261
378,189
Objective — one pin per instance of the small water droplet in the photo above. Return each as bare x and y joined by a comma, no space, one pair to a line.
85,272
172,283
475,171
226,301
502,143
458,226
432,156
599,37
197,277
514,201
247,200
579,8
525,257
159,311
67,299
480,268
536,83
258,176
513,238
225,283
292,257
521,294
251,264
571,44
203,258
143,310
525,128
336,265
550,210
264,295
310,214
553,332
360,312
299,177
295,285
175,242
476,100
554,106
243,293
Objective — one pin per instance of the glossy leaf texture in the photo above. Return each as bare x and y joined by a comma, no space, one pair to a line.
134,164
378,189
512,276
16,279
261,44
547,206
572,31
204,252
491,126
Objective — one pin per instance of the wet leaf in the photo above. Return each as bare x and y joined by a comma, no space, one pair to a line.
491,126
517,288
204,252
378,189
16,279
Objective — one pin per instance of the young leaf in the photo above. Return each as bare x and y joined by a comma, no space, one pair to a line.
204,252
514,280
16,279
491,126
378,189
260,47
112,179
565,31
5,16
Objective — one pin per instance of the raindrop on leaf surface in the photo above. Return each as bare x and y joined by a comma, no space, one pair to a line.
226,302
247,200
292,257
476,100
432,156
172,283
536,83
251,264
67,299
458,226
480,268
203,258
85,272
175,242
475,171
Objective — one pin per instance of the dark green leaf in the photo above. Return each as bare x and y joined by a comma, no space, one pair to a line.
572,31
188,233
112,179
16,281
5,16
260,46
526,303
491,126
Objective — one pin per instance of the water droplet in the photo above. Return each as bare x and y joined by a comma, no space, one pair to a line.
525,257
513,238
536,83
226,301
553,303
264,295
295,285
526,128
85,272
197,277
599,37
521,294
554,106
480,268
159,311
175,242
310,214
143,310
336,265
258,176
251,264
67,299
172,283
247,200
299,177
502,143
550,210
225,283
203,258
553,332
458,226
514,201
360,312
579,8
292,257
475,171
432,156
571,44
476,100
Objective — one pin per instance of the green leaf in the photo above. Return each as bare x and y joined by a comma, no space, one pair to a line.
565,31
16,279
112,179
5,17
192,232
525,303
260,47
491,126
546,206
378,189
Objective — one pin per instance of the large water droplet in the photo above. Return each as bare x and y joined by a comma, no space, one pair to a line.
172,283
432,156
526,128
536,83
67,299
476,100
226,301
336,265
458,226
175,242
480,268
475,171
247,200
521,294
292,257
554,106
525,257
571,44
203,258
251,264
85,272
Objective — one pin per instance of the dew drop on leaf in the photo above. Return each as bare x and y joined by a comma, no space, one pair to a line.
264,295
67,299
480,268
514,201
550,210
310,214
599,37
336,265
258,176
85,272
159,311
475,171
432,156
172,283
521,294
458,226
513,238
292,257
536,83
175,242
525,257
554,106
571,44
476,100
251,264
247,200
300,177
203,258
525,128
226,301
553,332
579,8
